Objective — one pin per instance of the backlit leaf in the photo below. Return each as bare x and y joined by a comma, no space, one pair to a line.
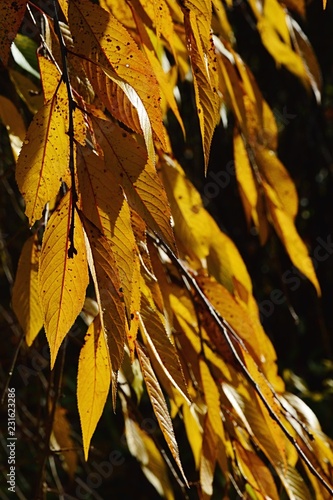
137,176
142,446
11,16
25,298
93,382
43,162
62,280
159,405
100,37
103,203
110,293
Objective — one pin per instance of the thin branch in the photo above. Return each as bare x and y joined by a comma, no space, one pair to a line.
71,108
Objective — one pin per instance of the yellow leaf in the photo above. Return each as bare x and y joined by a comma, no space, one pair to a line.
163,351
287,232
62,280
161,77
214,415
93,381
61,438
11,16
43,161
49,75
25,297
27,90
245,178
143,448
103,203
100,37
279,179
256,473
208,459
13,121
137,176
159,405
281,52
204,69
109,293
193,432
190,218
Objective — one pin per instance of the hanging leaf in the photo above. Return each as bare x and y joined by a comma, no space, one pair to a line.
25,299
11,16
62,280
43,162
137,176
100,37
109,292
93,381
159,405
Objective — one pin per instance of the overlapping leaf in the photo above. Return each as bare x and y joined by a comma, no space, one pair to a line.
159,405
100,37
25,297
93,381
137,176
43,162
62,280
11,15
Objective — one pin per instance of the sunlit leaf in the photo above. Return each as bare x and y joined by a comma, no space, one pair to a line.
110,293
11,15
62,280
25,297
43,162
136,174
159,405
93,382
99,36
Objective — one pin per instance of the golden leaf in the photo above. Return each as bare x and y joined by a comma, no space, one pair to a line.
62,280
100,37
11,16
144,449
13,121
93,381
25,297
159,405
255,473
287,232
103,203
204,69
110,297
137,176
43,161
